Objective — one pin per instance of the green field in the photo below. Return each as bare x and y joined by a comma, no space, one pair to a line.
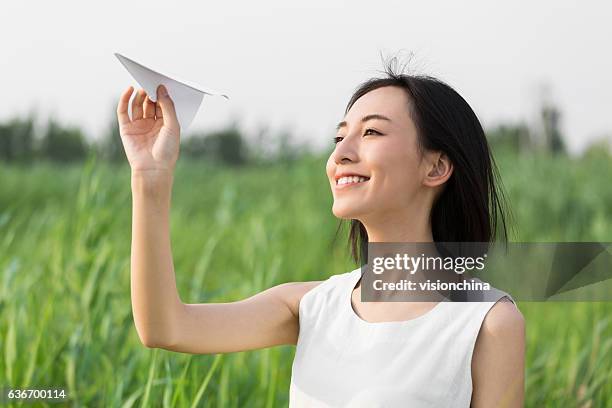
65,311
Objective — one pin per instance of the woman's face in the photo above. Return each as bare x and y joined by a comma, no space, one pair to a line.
384,151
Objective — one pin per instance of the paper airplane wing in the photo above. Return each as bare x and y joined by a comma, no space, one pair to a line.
187,98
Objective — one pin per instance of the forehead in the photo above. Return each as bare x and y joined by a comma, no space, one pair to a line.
390,101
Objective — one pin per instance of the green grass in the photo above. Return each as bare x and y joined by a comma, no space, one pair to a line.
65,311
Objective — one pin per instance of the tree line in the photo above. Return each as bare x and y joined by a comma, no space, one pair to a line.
22,141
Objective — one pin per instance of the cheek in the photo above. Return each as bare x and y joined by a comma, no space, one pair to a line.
397,171
330,168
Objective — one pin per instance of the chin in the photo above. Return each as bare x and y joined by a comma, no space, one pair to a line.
345,212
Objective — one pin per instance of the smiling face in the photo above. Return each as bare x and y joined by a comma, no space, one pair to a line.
384,152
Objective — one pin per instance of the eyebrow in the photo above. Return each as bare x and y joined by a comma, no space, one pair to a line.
365,119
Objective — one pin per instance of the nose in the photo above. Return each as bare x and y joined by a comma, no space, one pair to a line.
345,152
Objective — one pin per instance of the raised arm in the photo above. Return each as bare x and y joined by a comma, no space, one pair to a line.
151,142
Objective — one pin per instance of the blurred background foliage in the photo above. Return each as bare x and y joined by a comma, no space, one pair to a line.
23,140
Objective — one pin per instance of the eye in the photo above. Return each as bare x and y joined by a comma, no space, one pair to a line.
339,138
376,131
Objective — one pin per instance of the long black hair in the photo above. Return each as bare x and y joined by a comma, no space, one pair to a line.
472,207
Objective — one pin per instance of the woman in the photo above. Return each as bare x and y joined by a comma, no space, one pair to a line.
411,164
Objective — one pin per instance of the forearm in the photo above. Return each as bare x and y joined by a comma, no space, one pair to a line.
155,299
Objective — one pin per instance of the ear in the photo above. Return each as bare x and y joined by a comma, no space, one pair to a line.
439,169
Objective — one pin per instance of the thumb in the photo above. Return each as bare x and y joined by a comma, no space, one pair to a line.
165,108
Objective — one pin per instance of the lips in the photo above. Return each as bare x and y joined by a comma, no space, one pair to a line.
347,174
350,181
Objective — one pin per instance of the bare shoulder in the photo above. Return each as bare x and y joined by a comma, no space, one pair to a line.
498,362
503,319
291,293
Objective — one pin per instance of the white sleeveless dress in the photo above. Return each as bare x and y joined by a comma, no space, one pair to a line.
343,361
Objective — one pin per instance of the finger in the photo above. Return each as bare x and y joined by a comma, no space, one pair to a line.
158,110
122,107
166,105
137,104
149,108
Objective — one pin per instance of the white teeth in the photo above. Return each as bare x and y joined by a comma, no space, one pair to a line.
350,179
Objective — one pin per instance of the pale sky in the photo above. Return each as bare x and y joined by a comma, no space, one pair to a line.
294,66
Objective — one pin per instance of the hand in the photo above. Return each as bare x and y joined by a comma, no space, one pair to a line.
151,139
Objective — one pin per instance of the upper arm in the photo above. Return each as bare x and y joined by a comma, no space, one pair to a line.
268,318
498,361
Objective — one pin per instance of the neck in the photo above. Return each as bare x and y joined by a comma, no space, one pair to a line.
398,226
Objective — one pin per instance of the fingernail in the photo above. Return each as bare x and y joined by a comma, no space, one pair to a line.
163,91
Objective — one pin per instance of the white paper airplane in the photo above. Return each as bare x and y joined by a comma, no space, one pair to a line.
187,98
